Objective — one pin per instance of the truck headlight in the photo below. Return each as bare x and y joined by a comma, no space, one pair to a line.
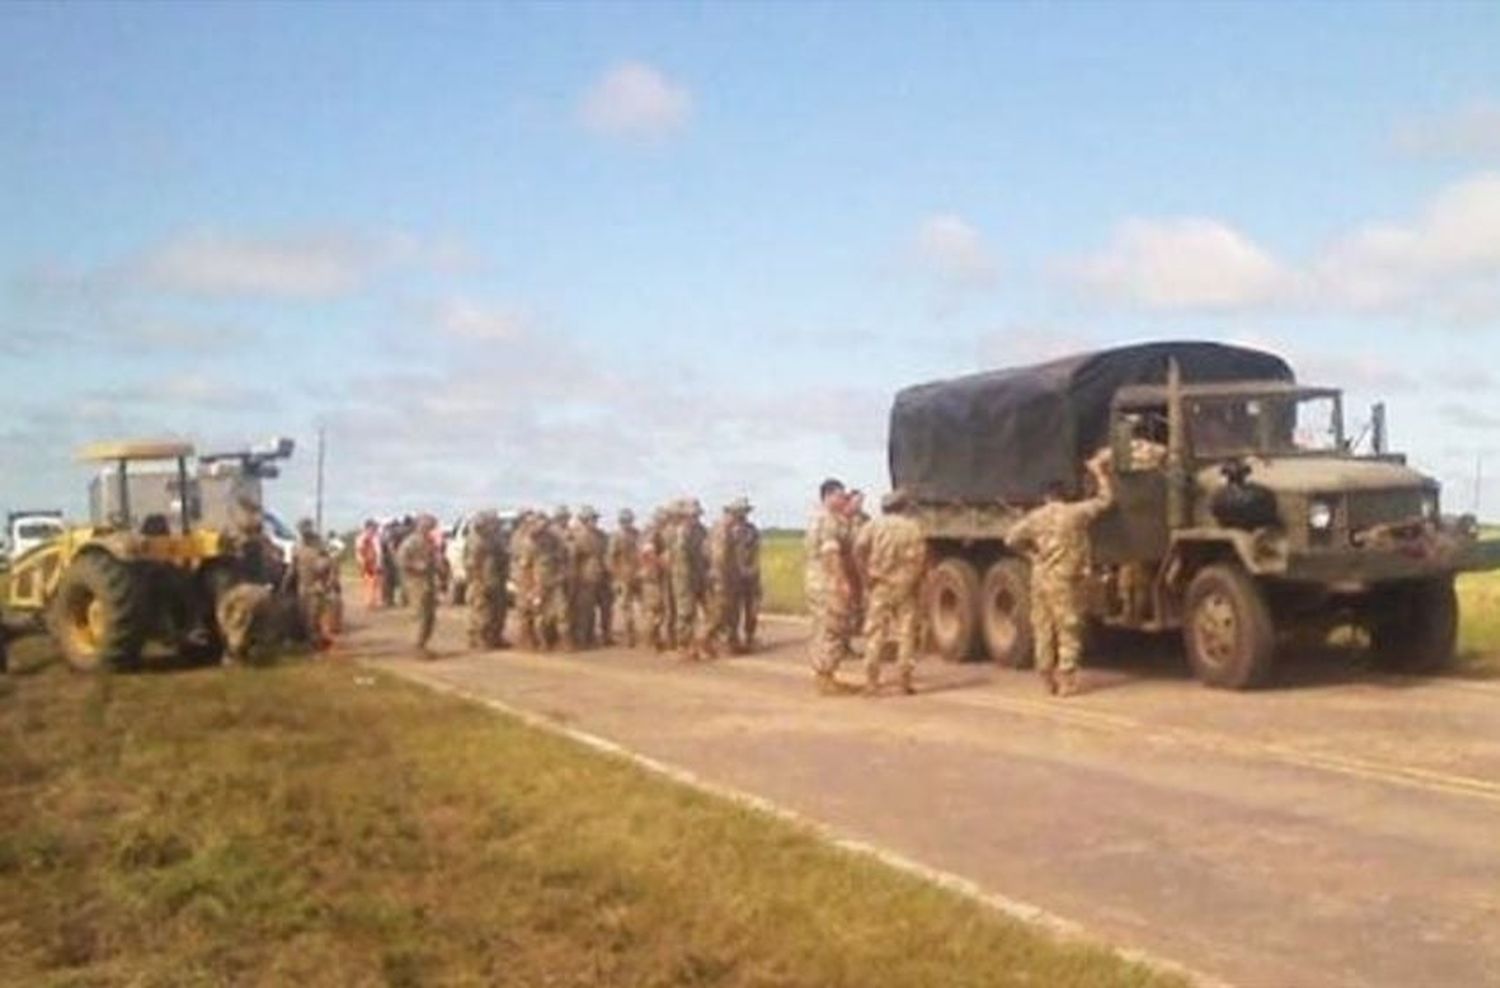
1320,516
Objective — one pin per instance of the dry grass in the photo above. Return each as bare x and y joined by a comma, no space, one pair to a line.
319,825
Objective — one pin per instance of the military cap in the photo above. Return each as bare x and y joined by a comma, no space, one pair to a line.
561,513
692,507
587,512
626,515
739,506
306,527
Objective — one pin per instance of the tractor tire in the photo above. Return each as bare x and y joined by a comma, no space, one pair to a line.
1415,629
1228,629
99,614
1005,614
953,609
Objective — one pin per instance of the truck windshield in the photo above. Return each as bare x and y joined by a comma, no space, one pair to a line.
1270,426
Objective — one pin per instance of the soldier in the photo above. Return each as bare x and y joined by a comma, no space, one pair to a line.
523,566
687,577
720,586
624,562
586,551
829,588
895,554
240,611
550,568
420,571
653,576
744,610
857,519
311,576
1056,537
486,566
259,559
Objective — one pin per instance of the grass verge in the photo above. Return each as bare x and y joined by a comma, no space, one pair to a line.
317,824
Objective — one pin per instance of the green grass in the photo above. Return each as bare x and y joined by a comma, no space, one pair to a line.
317,824
781,564
1479,625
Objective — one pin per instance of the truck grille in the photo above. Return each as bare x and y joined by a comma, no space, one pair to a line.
1368,508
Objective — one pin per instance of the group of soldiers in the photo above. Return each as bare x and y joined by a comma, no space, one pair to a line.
310,577
674,584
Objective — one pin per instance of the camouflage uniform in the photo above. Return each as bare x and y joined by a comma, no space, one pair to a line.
420,570
719,589
590,599
487,567
523,570
744,551
550,568
238,611
894,551
688,578
257,557
312,572
623,558
828,590
1056,537
653,577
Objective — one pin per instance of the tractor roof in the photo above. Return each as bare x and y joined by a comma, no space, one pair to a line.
136,449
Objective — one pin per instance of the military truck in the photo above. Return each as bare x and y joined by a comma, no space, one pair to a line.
1243,511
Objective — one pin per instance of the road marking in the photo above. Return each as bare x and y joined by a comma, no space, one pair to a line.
1063,929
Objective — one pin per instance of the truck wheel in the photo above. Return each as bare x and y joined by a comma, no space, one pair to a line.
98,616
953,609
1416,627
1231,640
1005,613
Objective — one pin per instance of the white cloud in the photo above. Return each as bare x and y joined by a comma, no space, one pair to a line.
214,264
1448,257
635,100
1473,132
1183,263
952,248
467,319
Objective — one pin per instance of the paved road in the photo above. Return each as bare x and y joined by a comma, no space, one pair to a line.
1344,830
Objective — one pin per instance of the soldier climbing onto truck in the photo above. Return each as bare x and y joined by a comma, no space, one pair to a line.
1056,538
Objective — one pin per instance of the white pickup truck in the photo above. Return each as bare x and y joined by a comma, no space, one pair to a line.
25,530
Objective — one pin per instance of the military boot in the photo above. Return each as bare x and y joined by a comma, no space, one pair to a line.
872,681
1068,683
907,686
830,685
1049,682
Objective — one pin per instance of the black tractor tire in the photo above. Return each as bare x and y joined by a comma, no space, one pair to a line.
1228,629
953,609
1415,627
99,615
1005,613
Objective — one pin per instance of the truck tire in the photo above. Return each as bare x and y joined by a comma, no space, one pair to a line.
953,609
1230,637
98,616
1415,628
1005,613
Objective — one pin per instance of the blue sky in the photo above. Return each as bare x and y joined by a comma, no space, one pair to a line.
526,254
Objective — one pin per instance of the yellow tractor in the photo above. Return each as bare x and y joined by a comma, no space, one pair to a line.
142,573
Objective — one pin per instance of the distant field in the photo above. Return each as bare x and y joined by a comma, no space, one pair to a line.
781,562
320,824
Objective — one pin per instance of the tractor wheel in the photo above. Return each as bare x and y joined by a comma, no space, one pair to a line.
1416,628
953,609
98,615
1230,637
1005,613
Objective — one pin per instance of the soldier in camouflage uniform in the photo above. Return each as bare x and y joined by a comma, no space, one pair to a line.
421,569
653,574
829,586
257,557
486,564
553,600
720,585
744,550
523,571
1055,535
624,562
894,552
590,599
687,575
241,612
311,576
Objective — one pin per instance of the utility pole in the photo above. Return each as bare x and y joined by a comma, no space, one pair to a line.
319,510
